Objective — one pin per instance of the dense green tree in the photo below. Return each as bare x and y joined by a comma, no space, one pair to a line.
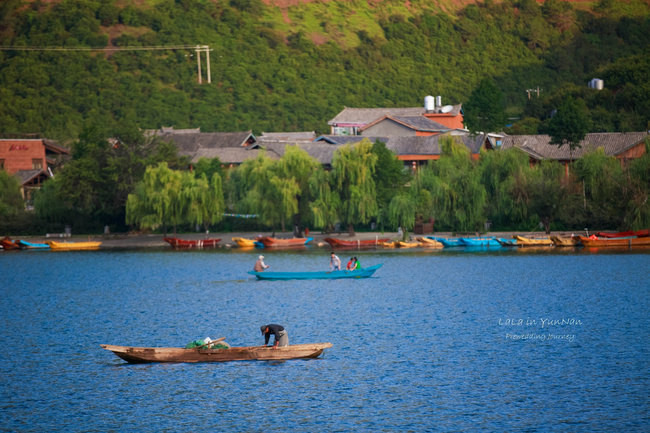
11,200
484,110
570,124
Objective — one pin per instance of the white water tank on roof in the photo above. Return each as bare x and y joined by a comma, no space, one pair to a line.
438,101
429,103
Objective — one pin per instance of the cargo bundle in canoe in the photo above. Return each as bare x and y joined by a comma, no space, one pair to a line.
359,243
270,242
192,243
251,353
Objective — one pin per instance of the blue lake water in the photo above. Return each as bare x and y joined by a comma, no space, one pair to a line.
435,341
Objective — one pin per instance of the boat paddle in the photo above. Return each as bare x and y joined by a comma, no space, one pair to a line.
211,342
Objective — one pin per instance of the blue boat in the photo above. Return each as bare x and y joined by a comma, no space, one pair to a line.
318,275
25,245
481,242
448,242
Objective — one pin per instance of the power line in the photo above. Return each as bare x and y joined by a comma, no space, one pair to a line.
149,48
198,48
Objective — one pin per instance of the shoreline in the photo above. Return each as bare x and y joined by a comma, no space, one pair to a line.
142,240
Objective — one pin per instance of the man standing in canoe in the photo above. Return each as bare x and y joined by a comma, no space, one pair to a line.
335,262
281,336
260,265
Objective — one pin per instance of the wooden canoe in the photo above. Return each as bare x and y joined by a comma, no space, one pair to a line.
179,243
73,246
270,242
638,233
25,245
429,243
251,353
359,243
629,242
246,243
565,241
523,241
318,275
8,244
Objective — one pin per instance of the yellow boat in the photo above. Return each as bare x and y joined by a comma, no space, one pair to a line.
566,241
244,243
73,246
533,242
429,243
390,244
409,244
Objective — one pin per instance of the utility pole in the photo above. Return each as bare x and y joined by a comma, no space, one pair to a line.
203,49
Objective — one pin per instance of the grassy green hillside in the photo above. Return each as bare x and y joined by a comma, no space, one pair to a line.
284,66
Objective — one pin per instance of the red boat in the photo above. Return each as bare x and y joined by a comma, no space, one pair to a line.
637,233
365,243
8,244
192,243
277,242
629,242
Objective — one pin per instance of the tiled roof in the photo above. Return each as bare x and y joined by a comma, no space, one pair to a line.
418,123
190,143
231,155
364,116
287,137
539,147
25,176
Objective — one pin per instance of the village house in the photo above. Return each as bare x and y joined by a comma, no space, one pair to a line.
31,160
621,145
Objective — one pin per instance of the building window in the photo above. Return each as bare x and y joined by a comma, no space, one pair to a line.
37,164
2,164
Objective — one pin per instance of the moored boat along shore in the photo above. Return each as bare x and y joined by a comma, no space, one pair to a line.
146,240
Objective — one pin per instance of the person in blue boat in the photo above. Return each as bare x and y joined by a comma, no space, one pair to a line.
260,266
350,265
281,336
357,264
335,262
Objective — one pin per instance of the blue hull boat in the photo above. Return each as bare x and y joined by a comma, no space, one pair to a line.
25,245
448,242
319,275
480,242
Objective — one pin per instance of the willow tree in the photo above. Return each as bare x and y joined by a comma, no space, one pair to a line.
543,190
156,200
637,209
326,202
454,183
498,170
401,212
204,199
602,183
353,167
294,171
